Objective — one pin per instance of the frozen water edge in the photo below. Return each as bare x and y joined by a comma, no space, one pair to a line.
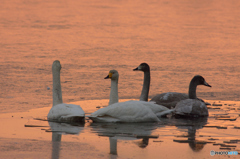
167,139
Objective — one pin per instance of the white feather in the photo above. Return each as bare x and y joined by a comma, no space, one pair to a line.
129,111
65,112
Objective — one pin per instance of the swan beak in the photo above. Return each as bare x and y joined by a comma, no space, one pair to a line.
108,76
136,69
206,84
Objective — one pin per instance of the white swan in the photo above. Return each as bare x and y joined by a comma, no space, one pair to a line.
130,111
169,99
60,111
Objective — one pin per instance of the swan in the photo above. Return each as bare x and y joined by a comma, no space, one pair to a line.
129,111
169,99
192,107
60,111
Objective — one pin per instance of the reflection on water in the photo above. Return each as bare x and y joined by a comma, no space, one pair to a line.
56,145
191,126
125,131
59,129
220,131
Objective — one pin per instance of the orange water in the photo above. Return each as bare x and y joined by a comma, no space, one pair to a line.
22,136
178,39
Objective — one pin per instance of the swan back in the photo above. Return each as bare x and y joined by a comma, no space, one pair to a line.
130,111
169,99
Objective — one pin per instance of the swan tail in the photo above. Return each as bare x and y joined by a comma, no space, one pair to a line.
165,112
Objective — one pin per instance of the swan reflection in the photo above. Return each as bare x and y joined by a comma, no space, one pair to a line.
59,129
191,126
125,131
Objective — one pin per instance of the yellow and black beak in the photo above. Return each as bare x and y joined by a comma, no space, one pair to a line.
108,76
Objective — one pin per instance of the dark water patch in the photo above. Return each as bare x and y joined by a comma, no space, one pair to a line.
221,127
213,107
157,141
35,125
195,141
216,104
227,118
213,139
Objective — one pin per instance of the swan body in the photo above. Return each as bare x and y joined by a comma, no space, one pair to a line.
190,108
129,111
60,111
66,113
169,99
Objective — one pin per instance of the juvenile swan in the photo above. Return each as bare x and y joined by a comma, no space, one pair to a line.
60,111
169,99
192,107
129,111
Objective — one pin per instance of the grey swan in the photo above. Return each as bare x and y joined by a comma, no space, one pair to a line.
169,99
192,107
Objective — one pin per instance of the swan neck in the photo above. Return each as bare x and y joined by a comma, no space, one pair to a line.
192,90
114,92
57,91
146,86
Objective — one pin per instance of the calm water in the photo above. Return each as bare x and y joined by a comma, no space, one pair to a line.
178,39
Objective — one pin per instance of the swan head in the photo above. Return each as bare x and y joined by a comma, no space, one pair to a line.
199,80
113,75
56,65
142,67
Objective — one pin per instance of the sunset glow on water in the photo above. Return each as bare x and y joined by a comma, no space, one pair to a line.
178,39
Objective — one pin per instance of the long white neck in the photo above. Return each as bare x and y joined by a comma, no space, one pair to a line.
57,91
146,85
114,92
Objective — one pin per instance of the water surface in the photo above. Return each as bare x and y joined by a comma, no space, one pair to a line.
178,39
